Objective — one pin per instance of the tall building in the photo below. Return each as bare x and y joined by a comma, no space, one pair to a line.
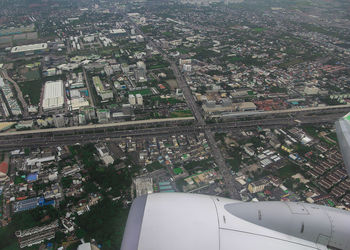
143,185
141,65
2,83
36,235
139,99
187,67
132,99
343,134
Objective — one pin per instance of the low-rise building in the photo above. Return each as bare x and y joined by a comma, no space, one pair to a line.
257,186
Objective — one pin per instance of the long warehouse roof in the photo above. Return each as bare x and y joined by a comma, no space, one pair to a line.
53,94
30,47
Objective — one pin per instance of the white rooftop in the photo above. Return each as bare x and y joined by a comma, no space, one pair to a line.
117,31
53,95
30,47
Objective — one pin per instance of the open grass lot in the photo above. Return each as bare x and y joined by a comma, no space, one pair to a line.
143,92
158,66
258,29
32,75
32,89
181,113
287,171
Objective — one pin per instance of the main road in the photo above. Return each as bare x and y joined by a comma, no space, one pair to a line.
219,159
19,92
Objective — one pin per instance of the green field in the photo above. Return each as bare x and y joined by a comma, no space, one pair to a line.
178,171
258,29
234,163
287,171
143,92
32,89
32,75
154,166
181,113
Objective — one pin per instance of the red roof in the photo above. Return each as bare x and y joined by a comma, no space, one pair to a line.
4,167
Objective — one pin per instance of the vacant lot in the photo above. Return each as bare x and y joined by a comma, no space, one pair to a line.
172,83
143,92
181,113
31,90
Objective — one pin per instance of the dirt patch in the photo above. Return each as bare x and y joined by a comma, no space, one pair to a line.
172,83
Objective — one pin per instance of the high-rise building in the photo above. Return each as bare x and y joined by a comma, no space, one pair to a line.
141,65
36,235
139,99
187,67
2,83
132,99
343,134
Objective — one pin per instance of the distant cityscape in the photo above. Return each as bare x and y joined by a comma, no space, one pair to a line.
105,101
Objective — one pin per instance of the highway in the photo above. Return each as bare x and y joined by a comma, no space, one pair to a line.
93,133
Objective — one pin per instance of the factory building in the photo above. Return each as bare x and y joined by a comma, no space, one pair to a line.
29,49
53,95
29,204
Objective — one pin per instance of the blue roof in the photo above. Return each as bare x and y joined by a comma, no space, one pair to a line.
164,183
165,187
32,177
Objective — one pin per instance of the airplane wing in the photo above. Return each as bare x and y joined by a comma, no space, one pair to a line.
175,221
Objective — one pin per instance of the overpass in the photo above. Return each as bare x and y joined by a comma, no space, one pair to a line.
294,111
138,129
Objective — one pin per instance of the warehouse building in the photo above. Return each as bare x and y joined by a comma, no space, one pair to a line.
29,204
29,49
53,95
